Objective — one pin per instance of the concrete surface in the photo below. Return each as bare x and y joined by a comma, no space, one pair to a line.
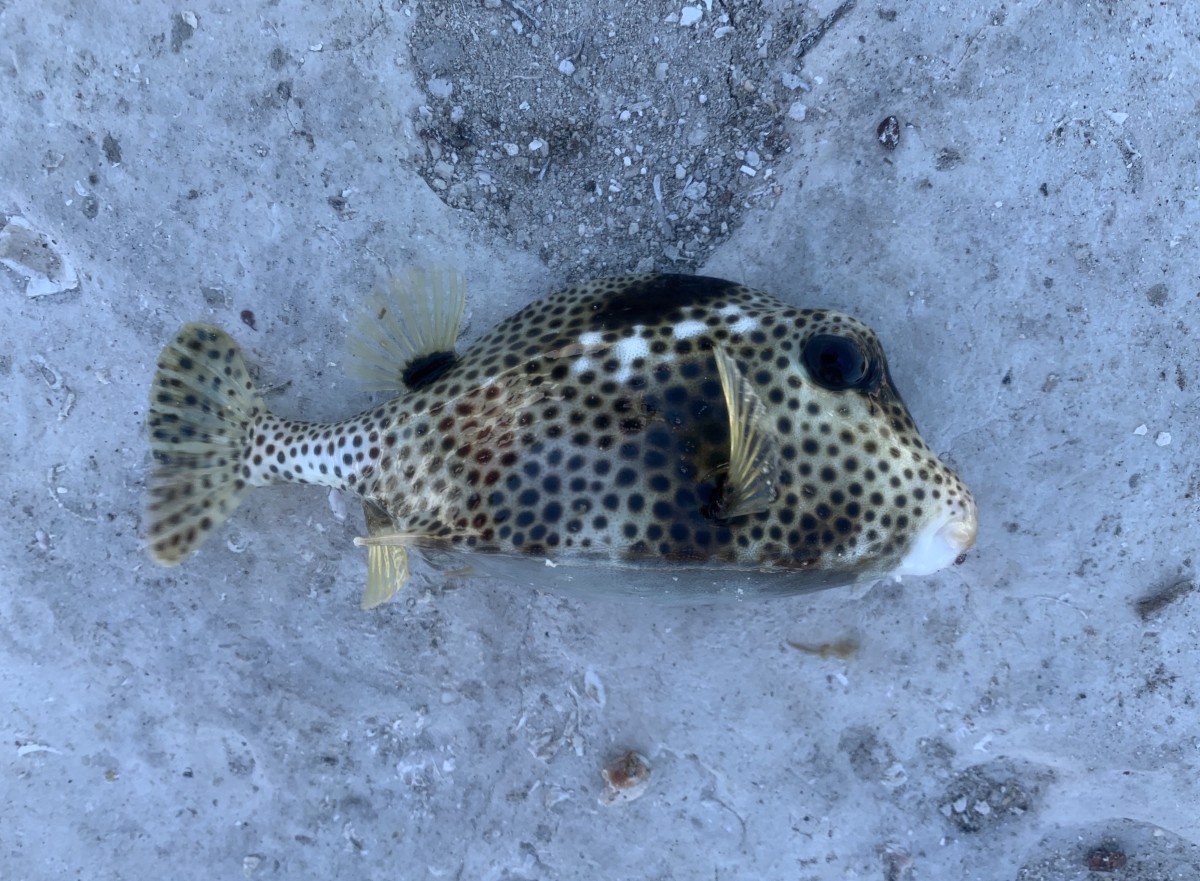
1027,252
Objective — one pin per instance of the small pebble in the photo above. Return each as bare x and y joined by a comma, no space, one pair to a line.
1106,858
797,111
440,88
889,132
1163,439
566,67
690,15
625,779
791,81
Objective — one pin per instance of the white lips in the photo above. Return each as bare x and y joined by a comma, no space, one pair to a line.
941,541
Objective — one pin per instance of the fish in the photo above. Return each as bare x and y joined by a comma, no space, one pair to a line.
660,435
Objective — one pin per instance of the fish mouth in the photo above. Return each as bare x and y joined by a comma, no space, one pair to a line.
941,541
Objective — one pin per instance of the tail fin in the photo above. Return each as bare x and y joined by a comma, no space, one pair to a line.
202,411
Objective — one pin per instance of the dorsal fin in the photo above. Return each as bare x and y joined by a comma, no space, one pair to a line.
403,338
748,486
387,565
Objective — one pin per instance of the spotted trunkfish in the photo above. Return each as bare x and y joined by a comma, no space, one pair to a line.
662,435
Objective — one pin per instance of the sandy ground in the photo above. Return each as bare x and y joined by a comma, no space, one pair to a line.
1026,252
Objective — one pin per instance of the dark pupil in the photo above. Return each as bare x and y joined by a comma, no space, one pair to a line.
835,362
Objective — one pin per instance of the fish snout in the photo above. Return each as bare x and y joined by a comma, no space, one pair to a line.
942,540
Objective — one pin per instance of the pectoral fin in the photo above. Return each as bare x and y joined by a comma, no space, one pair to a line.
749,485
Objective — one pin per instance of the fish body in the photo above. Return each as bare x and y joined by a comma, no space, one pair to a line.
657,434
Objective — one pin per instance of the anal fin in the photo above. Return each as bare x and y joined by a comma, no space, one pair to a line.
403,338
387,564
749,484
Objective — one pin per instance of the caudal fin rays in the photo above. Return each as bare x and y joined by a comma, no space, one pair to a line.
202,408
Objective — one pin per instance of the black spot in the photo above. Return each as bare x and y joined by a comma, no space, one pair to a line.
657,299
659,437
677,396
423,370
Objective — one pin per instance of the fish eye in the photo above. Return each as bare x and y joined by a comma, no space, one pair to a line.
837,363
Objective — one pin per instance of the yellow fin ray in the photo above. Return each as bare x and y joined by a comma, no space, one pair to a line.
418,316
749,485
387,564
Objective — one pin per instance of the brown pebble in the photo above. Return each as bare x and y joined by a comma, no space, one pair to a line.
248,319
1106,858
889,132
625,778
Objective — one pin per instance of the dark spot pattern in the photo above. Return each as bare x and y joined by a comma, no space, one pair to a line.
592,424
